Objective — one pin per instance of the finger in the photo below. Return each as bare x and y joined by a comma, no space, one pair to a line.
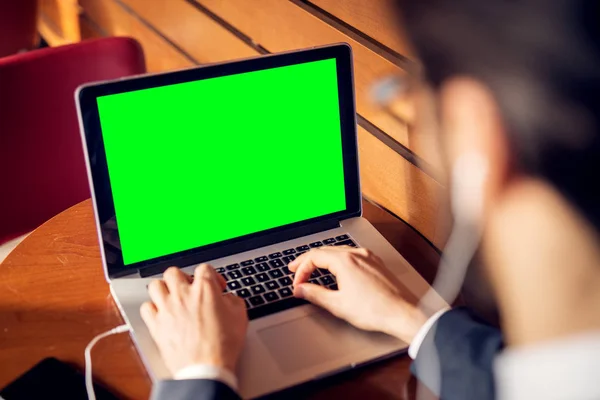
234,300
317,295
206,277
158,292
374,263
323,257
221,281
317,258
304,271
176,279
148,312
340,248
239,305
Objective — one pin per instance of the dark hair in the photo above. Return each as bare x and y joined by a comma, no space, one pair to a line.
541,59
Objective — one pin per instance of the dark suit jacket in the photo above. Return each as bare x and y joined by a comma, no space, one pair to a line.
454,361
193,389
456,358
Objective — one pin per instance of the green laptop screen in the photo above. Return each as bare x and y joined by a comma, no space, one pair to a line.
200,162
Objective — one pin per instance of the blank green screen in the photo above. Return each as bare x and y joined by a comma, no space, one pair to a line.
201,162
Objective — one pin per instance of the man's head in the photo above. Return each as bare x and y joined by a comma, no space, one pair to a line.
517,82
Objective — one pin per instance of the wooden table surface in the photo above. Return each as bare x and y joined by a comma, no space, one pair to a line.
54,300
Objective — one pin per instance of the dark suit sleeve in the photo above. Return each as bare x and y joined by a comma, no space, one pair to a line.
192,389
455,359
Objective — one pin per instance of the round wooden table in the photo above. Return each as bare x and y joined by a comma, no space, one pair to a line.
54,299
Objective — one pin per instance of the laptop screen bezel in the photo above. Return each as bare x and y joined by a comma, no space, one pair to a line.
98,170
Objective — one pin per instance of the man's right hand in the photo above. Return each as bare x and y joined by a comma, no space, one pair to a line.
368,296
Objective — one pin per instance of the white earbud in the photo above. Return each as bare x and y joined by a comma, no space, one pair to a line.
468,178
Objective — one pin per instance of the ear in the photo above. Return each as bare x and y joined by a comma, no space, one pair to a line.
471,124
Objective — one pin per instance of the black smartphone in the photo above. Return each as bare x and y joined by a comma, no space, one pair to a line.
52,379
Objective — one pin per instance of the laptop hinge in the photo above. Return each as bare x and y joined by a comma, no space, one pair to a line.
240,247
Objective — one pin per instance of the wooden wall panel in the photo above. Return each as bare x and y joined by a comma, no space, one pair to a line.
401,187
58,21
89,30
282,25
51,12
116,21
193,31
377,19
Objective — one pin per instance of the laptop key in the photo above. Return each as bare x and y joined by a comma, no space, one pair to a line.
314,281
327,280
243,293
274,255
276,263
286,281
286,270
248,270
272,285
333,287
262,267
258,289
303,248
248,281
316,244
341,237
220,270
232,267
329,241
285,292
247,304
288,252
271,296
262,277
235,274
276,273
261,259
256,301
315,274
223,275
300,253
288,259
247,262
234,285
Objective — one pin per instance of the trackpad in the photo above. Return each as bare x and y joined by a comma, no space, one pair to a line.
309,341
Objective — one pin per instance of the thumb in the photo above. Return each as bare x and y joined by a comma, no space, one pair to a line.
316,294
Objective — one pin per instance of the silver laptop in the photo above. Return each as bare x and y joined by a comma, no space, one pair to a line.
244,165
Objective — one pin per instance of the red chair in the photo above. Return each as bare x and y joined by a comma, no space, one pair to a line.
42,168
18,29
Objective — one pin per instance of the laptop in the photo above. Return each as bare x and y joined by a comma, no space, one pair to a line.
244,165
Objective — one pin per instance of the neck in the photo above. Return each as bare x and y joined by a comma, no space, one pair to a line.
543,260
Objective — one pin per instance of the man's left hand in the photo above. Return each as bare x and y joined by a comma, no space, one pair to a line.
192,322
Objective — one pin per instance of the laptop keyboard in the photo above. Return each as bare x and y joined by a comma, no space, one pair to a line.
265,282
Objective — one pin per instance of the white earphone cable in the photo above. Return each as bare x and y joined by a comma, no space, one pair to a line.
468,178
89,387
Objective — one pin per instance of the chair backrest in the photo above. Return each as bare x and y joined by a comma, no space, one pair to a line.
17,25
42,167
